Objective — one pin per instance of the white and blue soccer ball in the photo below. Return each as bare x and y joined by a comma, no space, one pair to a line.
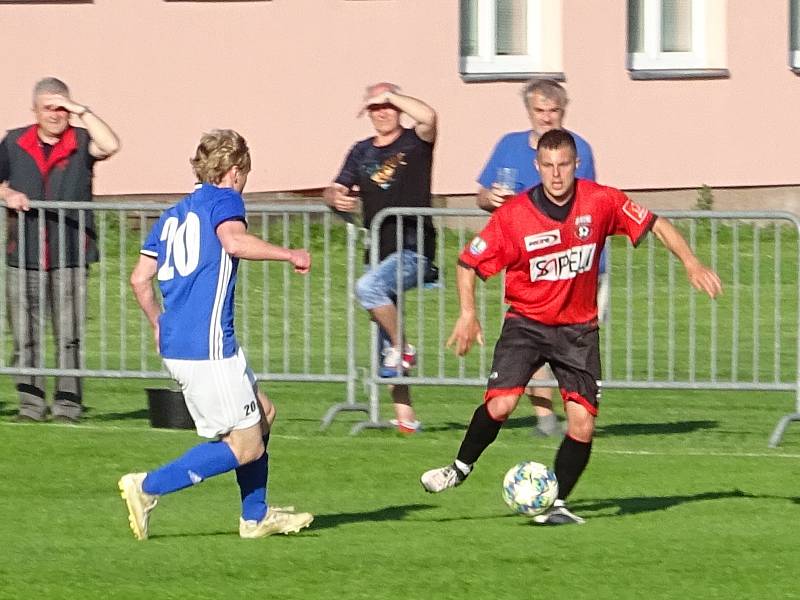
530,488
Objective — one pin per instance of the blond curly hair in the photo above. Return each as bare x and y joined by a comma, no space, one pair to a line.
219,151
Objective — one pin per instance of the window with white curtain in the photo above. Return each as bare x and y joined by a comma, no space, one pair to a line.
794,34
509,38
676,35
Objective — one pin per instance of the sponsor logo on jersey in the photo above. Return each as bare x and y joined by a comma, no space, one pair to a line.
635,212
477,245
542,240
583,220
563,265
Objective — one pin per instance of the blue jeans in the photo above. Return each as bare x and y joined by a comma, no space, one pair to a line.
378,286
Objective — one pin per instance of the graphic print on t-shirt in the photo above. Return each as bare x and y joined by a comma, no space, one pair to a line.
384,174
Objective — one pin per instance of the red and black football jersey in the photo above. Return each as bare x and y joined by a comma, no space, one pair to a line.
552,266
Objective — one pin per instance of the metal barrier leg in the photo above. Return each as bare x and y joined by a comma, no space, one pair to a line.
374,421
777,434
334,410
350,404
359,427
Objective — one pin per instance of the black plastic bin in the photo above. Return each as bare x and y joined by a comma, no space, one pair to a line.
168,409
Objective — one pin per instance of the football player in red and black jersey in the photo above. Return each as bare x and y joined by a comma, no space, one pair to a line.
548,241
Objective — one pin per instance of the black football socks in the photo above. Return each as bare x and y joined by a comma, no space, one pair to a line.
482,431
571,460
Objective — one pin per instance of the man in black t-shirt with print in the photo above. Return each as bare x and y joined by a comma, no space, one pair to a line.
391,168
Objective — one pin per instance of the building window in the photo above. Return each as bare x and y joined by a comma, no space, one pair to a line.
794,35
681,38
510,39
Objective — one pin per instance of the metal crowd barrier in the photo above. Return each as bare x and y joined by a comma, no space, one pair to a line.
660,334
293,328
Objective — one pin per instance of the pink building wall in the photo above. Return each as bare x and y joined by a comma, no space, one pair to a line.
289,74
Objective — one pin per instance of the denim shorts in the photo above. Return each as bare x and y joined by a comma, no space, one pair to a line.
379,286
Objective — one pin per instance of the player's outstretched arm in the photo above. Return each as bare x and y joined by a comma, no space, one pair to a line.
467,329
237,242
701,277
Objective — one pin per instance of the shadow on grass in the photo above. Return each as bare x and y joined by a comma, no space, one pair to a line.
449,426
526,422
626,429
642,504
390,513
11,410
140,413
620,429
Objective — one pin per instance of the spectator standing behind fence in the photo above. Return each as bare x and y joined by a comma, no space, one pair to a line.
511,170
391,169
548,240
194,250
50,160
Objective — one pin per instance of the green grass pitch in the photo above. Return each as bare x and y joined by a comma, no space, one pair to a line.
682,497
682,500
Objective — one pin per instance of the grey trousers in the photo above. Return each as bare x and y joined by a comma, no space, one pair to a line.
33,298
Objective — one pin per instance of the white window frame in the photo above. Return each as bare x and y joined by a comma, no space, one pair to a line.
653,58
487,61
794,32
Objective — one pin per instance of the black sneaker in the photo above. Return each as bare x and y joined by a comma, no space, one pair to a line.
559,514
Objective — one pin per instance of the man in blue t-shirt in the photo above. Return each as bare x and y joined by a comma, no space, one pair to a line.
193,251
510,170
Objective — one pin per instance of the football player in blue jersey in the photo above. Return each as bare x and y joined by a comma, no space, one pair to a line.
193,251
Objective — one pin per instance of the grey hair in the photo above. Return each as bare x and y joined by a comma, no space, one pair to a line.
550,89
393,87
50,85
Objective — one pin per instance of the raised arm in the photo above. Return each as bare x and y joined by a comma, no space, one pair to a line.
701,277
467,329
424,116
237,242
104,142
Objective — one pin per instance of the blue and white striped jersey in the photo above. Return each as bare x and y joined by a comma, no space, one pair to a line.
196,276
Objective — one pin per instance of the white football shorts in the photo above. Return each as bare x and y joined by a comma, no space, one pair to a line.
220,394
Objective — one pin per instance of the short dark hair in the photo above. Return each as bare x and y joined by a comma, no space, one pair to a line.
557,138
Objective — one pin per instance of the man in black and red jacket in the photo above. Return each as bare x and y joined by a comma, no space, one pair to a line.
50,160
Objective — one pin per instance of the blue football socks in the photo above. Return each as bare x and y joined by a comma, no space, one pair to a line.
199,463
252,480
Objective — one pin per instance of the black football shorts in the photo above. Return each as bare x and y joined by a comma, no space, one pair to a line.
572,351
